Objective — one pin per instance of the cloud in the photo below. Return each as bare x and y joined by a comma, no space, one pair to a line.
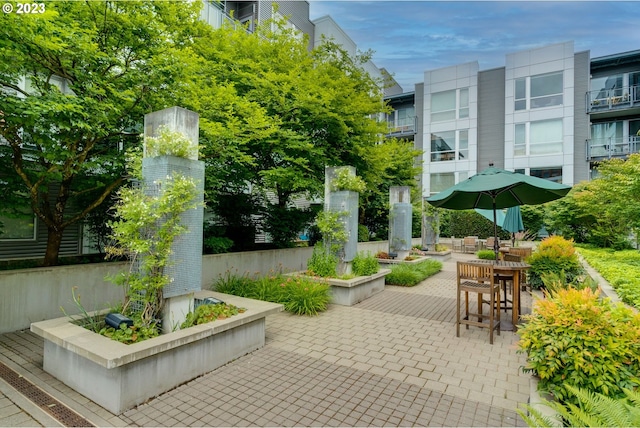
409,37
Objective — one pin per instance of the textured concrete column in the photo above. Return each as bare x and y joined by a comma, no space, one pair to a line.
400,219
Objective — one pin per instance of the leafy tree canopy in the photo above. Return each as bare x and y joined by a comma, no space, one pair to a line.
76,82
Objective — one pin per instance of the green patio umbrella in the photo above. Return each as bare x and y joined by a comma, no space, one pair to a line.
496,188
513,222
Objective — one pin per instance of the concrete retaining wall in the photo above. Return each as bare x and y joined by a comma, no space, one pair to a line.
31,295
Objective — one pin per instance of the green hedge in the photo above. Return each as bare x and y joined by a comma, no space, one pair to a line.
410,274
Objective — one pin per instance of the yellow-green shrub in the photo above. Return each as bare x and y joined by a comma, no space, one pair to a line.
576,338
554,254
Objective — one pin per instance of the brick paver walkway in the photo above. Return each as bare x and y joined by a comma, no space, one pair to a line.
392,360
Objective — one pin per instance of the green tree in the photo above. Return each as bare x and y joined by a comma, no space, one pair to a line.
569,218
93,69
614,201
390,163
300,110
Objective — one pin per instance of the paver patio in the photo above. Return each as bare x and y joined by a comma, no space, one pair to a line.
392,360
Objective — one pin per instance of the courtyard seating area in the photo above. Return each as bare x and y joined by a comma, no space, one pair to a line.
391,360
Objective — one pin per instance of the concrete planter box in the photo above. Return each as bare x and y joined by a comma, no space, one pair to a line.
397,262
439,255
348,292
118,377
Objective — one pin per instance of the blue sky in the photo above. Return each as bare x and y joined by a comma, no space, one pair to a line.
409,37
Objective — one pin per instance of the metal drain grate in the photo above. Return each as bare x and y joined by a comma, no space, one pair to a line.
56,409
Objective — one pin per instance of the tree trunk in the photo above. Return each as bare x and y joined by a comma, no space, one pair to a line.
54,240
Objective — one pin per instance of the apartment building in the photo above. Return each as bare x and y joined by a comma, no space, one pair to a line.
549,112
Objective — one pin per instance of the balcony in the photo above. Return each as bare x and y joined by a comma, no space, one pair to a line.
402,127
612,148
613,100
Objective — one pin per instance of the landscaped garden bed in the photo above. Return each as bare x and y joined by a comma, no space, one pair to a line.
620,268
411,274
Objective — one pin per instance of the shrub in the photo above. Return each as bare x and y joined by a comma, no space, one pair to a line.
364,265
322,263
306,297
620,268
554,282
408,275
217,245
233,284
209,313
363,233
554,254
382,255
594,410
301,296
576,338
486,255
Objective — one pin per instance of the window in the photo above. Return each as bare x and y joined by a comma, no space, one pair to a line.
18,228
401,120
551,174
543,137
449,145
463,112
443,106
520,140
545,90
450,105
441,181
521,94
463,144
443,146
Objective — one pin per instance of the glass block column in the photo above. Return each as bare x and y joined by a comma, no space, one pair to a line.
185,266
400,219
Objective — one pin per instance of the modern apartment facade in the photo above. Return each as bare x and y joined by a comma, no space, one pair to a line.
549,112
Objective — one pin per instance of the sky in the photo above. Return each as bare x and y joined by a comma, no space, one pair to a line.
409,37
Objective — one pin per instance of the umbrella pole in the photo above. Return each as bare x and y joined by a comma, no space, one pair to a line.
496,244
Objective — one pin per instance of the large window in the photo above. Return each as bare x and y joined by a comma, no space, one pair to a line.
551,174
450,105
440,181
18,228
543,137
543,90
402,120
449,145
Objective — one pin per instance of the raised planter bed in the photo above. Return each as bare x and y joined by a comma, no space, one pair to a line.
418,259
118,377
348,292
439,255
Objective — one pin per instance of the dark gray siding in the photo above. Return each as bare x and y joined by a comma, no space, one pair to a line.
581,118
27,249
298,14
296,11
491,95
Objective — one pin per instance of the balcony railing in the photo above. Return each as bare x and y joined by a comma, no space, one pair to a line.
613,99
612,147
403,126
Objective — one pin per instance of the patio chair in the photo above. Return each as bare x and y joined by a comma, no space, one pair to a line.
480,279
523,252
456,243
470,244
488,245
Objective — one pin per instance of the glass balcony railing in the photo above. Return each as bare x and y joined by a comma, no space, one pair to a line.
613,99
402,126
612,147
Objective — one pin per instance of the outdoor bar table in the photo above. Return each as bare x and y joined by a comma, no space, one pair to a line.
510,268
